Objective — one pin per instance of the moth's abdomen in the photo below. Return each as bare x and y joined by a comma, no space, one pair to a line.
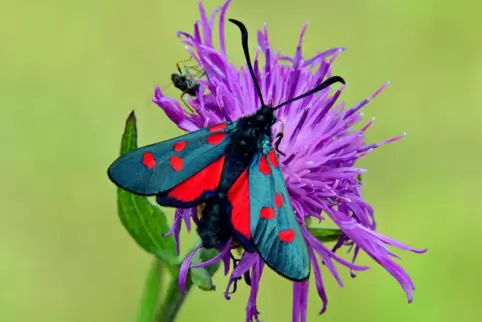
213,228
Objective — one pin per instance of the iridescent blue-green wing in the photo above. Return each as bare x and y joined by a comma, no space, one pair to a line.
274,229
181,171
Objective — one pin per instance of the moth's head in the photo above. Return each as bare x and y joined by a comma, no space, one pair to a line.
265,116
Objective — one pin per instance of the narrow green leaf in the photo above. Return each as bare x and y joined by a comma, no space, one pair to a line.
145,222
129,138
151,294
326,234
202,276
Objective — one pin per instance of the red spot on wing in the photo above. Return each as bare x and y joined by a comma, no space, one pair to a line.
177,163
278,200
205,180
218,127
273,159
216,138
264,166
238,196
267,213
149,160
287,235
179,146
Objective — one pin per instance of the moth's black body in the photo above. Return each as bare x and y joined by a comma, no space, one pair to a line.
252,134
214,228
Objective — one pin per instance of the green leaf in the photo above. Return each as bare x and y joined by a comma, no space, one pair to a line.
129,138
326,234
202,276
145,222
150,298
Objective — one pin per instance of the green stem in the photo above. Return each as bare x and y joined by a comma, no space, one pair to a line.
174,298
173,301
150,297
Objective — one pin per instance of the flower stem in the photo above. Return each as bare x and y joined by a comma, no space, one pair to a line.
172,302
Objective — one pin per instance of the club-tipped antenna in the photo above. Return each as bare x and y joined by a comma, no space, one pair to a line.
244,42
330,81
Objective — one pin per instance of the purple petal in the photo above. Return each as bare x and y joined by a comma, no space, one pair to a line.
248,261
222,253
300,300
375,246
221,26
320,288
252,313
184,270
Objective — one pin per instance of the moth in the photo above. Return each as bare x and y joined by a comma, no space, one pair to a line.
233,168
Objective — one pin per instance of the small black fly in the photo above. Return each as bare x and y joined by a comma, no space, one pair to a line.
187,81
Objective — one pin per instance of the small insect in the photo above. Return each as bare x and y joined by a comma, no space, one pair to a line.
232,168
359,179
187,82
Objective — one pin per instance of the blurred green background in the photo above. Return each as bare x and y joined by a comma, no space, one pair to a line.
71,71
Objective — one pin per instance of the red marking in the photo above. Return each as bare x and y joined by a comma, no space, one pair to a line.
238,195
216,138
177,163
148,160
218,127
179,146
205,180
264,166
267,213
273,159
287,235
278,200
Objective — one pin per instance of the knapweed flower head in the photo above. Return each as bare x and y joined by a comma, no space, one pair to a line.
321,149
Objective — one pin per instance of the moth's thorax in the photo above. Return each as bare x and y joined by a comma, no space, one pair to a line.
258,125
252,136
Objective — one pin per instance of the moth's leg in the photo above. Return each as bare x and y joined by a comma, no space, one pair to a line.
235,281
279,137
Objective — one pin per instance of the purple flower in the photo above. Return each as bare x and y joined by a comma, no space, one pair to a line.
320,144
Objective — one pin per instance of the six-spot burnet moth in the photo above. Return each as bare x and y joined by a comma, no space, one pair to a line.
232,168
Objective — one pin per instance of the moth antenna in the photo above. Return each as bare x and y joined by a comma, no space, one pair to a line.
330,81
244,42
